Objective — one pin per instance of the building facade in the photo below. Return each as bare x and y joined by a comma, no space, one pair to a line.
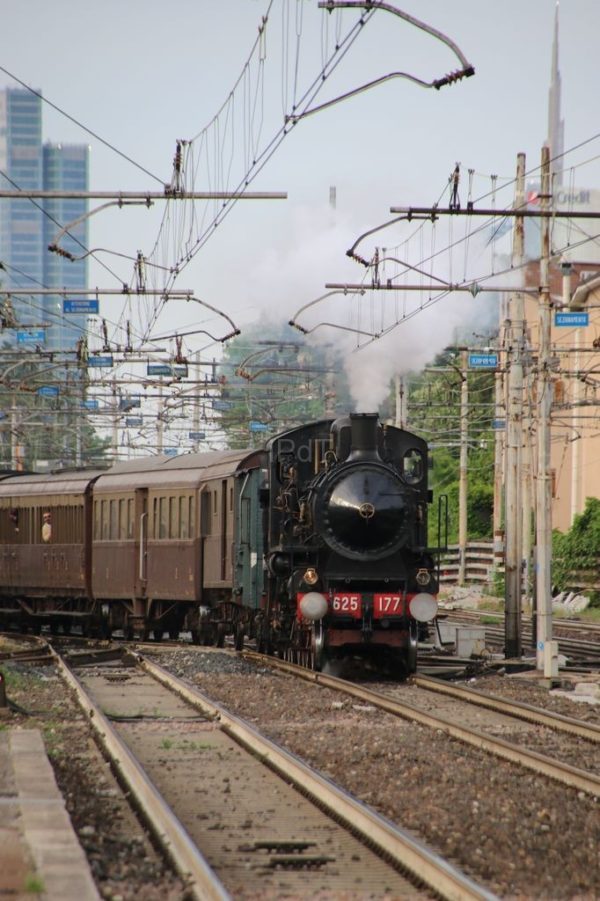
575,358
28,227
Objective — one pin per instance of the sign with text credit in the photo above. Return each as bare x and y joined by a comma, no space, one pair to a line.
573,320
483,361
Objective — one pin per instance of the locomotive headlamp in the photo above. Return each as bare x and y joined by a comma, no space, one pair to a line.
423,607
423,577
311,576
313,606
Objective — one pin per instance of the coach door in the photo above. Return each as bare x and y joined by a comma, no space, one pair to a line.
140,561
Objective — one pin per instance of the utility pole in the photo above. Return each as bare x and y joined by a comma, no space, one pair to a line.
499,442
14,436
115,422
401,412
544,402
462,484
160,420
527,470
196,409
514,409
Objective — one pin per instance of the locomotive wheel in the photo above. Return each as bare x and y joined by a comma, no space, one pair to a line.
240,634
220,636
317,648
411,651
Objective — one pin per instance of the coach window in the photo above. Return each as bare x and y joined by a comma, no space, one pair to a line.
163,518
231,500
105,521
205,516
184,522
412,466
154,531
191,516
114,522
130,518
173,519
78,520
122,519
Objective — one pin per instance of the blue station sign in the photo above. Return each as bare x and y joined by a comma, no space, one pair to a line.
257,426
31,336
91,404
483,361
196,436
100,362
48,391
159,369
572,320
81,306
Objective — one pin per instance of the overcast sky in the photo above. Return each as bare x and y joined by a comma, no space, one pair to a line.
143,73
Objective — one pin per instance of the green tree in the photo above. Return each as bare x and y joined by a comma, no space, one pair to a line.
434,413
578,549
273,379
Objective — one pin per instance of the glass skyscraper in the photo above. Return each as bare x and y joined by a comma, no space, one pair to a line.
27,227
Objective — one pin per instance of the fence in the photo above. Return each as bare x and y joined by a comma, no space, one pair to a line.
481,562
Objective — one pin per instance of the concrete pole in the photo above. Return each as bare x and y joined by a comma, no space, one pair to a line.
462,484
527,491
196,410
79,418
514,438
401,413
576,442
115,422
499,440
159,420
14,436
544,402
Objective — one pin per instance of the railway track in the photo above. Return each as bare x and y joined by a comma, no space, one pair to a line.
403,771
236,814
585,651
456,722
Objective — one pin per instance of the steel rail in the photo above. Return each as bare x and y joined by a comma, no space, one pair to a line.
399,846
201,882
567,646
38,647
516,709
531,760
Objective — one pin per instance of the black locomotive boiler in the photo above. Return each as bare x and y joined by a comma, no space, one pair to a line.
315,545
348,566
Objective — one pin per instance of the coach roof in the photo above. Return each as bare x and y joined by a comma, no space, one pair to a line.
184,471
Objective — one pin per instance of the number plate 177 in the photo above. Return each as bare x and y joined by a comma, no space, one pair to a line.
388,605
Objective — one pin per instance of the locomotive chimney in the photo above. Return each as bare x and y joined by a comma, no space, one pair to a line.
363,437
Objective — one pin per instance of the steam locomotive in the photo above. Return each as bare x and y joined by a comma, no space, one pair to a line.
315,545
